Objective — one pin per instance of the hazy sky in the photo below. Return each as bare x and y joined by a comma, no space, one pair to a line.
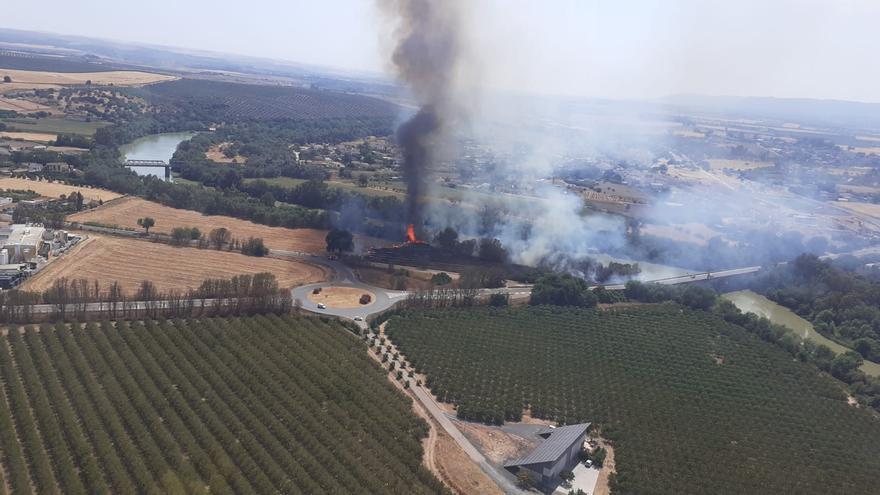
607,48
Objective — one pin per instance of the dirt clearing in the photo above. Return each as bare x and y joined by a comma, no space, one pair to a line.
56,189
130,261
215,153
30,136
125,212
36,79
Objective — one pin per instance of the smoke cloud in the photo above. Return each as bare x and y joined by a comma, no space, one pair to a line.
427,57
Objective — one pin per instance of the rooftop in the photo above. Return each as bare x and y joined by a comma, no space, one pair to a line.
559,441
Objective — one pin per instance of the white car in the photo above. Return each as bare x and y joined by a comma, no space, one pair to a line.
358,318
322,306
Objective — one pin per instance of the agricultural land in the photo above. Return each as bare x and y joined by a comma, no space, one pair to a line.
56,189
38,79
691,404
130,261
180,407
124,213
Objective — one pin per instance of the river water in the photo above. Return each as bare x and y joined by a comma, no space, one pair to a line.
153,147
751,302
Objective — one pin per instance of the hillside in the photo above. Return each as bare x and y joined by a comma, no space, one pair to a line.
692,404
183,407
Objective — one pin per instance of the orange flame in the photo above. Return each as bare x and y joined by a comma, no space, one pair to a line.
411,233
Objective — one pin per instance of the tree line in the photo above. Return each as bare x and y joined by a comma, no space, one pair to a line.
79,299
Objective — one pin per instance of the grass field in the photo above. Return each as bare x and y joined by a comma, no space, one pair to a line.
55,189
38,79
693,405
130,261
126,211
252,406
51,125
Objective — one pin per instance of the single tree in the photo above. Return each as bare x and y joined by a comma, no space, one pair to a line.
447,239
339,241
566,475
525,480
146,223
220,237
363,180
7,79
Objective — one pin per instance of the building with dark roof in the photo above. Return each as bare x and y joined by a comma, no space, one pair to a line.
558,452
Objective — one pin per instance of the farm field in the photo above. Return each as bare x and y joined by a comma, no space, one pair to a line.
22,106
863,208
692,404
130,261
55,189
38,79
125,212
179,406
721,164
38,137
54,125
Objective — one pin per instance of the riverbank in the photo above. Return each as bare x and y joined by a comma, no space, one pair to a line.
751,302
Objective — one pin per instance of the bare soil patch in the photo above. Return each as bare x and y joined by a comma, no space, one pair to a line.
341,297
497,445
602,485
126,211
457,469
130,261
215,153
29,136
56,189
37,79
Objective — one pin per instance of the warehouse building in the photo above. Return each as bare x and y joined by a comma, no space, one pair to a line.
558,452
20,243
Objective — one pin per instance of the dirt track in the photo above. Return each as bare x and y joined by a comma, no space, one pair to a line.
124,213
130,261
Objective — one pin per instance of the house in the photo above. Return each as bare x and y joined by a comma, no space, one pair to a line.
558,452
58,167
33,167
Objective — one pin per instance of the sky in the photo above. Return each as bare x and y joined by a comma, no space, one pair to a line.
595,48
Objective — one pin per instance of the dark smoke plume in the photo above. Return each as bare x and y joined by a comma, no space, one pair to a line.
426,56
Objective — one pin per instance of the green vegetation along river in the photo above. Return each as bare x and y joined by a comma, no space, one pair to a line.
751,302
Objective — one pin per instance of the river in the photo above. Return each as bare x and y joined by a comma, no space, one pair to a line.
153,147
751,302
